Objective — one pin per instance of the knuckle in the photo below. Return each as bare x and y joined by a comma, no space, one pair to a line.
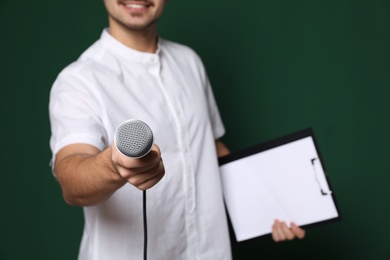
136,181
126,173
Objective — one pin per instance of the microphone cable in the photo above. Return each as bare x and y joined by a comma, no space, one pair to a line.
145,226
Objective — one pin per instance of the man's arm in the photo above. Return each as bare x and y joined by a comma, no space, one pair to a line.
88,176
222,150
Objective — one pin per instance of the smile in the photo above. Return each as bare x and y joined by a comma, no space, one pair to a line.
136,6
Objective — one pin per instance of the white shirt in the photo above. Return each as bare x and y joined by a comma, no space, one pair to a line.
170,91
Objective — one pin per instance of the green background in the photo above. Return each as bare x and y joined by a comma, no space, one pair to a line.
276,67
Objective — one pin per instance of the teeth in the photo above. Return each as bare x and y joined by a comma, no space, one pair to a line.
135,6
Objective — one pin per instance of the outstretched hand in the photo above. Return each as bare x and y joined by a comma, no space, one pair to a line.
144,172
280,231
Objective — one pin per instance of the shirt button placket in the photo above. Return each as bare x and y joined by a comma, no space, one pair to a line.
187,168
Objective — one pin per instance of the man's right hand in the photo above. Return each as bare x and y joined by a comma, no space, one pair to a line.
143,172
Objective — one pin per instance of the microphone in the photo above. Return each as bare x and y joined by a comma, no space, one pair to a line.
133,138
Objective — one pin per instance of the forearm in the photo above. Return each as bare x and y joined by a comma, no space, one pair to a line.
87,179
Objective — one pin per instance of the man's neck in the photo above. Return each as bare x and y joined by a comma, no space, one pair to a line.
143,41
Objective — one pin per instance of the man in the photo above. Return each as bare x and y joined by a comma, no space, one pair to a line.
132,73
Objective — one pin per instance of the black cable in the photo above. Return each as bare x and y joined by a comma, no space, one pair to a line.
145,226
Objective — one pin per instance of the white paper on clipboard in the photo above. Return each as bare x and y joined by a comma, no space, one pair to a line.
285,181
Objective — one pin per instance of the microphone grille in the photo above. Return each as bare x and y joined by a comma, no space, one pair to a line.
133,138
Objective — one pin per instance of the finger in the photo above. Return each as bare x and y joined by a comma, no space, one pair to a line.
298,232
151,182
155,173
142,177
153,154
128,167
287,232
275,235
141,169
279,234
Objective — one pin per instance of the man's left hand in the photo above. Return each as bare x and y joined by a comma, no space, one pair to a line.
280,231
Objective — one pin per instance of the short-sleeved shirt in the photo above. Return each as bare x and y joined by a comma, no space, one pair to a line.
170,91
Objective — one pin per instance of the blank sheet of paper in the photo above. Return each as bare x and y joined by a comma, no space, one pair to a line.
287,182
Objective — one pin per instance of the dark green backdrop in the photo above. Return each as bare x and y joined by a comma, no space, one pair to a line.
277,66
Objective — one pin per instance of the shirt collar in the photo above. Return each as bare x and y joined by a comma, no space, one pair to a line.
127,53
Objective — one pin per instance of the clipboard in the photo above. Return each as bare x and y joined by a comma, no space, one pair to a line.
281,179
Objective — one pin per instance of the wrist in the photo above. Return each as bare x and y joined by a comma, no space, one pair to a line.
112,170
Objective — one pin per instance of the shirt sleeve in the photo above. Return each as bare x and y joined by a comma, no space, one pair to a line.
73,112
215,117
